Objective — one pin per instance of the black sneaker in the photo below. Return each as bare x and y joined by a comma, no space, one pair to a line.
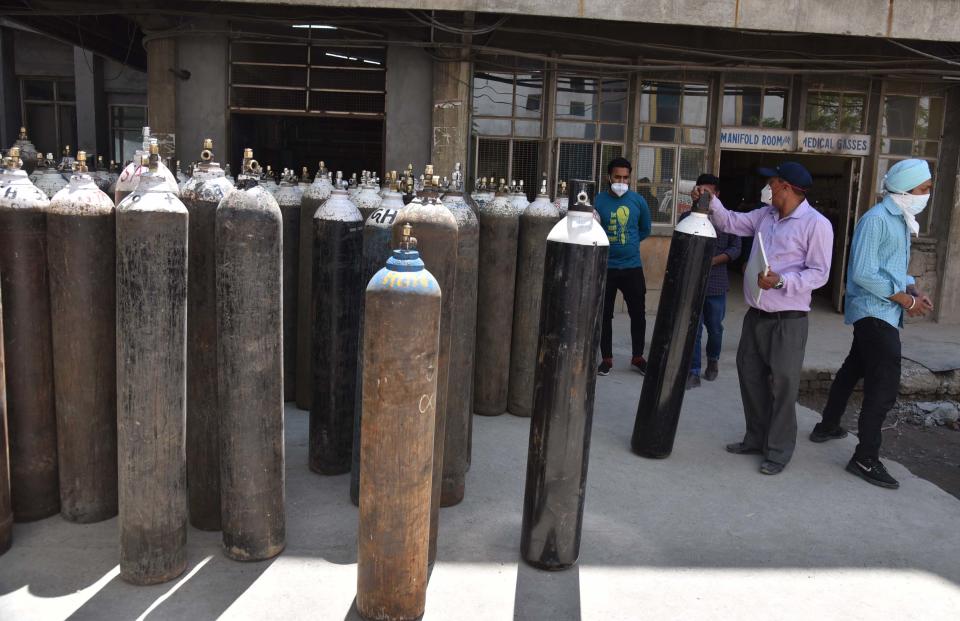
771,467
872,471
821,433
605,365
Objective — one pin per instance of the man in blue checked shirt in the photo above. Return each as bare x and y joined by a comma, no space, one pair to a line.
727,249
879,292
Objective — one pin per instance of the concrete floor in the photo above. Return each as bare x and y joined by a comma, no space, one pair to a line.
701,535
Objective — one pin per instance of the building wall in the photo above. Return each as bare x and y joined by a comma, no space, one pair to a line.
906,19
409,103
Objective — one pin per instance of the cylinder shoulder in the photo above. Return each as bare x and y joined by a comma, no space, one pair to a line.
81,198
583,231
421,282
255,199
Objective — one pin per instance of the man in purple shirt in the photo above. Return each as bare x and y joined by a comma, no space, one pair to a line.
798,241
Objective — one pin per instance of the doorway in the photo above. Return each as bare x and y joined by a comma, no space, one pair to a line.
350,145
836,183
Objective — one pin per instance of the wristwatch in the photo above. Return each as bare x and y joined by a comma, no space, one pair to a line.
780,283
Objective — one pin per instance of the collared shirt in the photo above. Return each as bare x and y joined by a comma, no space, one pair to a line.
718,282
798,247
879,256
627,222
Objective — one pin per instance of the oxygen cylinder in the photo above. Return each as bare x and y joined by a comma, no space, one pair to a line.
674,333
536,222
38,169
28,152
337,291
437,234
562,202
519,198
496,277
102,177
368,198
250,361
28,344
483,194
314,196
456,452
407,186
66,165
377,244
81,257
398,426
574,276
130,176
201,195
50,180
6,509
151,379
305,180
289,198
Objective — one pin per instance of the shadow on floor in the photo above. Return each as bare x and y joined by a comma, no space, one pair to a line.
547,595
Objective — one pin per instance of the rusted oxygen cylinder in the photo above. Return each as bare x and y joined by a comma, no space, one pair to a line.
536,222
674,333
314,196
290,197
81,257
337,291
6,508
152,379
201,195
27,336
368,198
499,232
397,447
28,152
250,361
457,434
377,248
519,197
484,193
574,276
436,230
50,180
561,202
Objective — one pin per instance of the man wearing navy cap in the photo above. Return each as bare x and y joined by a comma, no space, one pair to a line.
879,292
799,242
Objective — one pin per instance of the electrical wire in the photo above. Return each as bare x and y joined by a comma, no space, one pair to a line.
428,20
931,56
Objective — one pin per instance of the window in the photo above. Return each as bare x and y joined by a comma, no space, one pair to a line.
50,113
835,112
756,105
511,160
911,126
672,153
126,131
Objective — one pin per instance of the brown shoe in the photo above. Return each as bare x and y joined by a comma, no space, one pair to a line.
712,371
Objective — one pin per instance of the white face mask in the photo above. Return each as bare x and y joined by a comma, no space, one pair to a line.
619,188
766,195
914,204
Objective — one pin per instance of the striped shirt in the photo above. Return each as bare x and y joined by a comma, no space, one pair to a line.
879,256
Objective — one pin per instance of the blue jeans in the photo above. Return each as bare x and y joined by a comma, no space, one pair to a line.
714,308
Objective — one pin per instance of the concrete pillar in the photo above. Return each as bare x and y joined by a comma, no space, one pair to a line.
451,111
9,91
409,100
92,121
201,101
948,304
945,223
162,93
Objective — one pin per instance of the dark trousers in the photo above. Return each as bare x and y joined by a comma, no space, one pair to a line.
631,283
769,361
874,356
714,309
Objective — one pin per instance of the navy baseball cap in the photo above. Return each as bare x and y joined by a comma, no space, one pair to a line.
791,172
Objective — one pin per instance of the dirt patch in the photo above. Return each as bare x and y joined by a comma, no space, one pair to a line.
929,450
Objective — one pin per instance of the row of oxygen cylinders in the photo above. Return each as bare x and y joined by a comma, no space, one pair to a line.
497,235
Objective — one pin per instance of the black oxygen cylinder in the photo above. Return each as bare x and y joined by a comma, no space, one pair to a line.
6,508
674,333
151,380
377,248
574,276
81,257
337,289
290,197
34,481
201,194
250,375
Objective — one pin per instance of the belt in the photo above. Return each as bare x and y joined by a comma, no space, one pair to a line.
787,314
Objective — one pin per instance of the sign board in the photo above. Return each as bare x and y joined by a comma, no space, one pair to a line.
786,141
837,144
757,139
